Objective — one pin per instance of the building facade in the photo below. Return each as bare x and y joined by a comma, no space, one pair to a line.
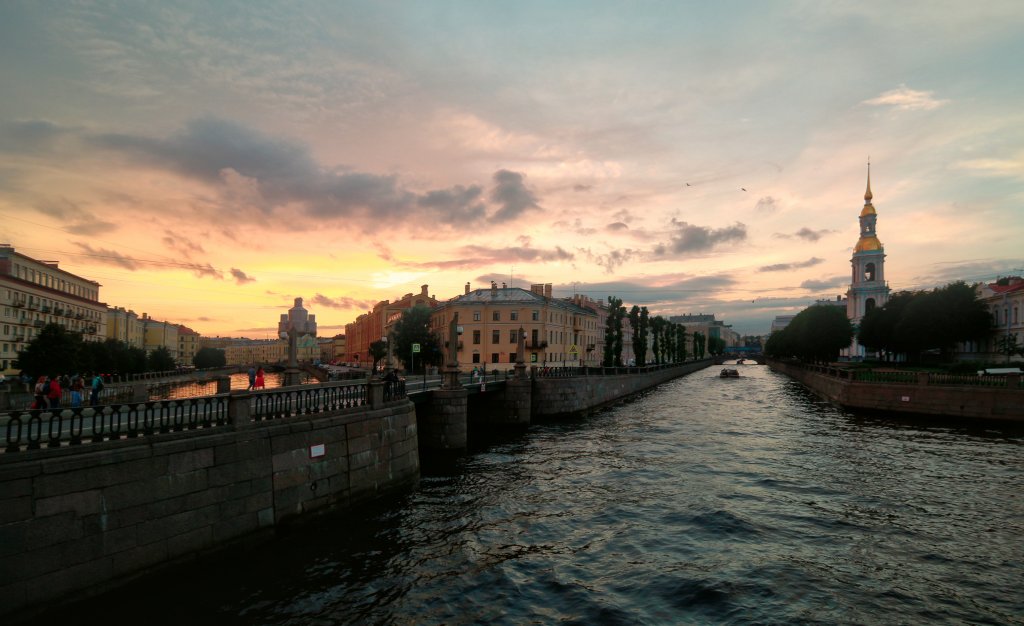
35,293
188,345
375,324
124,326
1005,301
868,288
557,332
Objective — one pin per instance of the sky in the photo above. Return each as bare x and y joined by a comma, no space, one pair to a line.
207,163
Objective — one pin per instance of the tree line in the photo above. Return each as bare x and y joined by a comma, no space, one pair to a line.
909,325
55,350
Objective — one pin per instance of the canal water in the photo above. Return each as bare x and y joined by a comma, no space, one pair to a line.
703,501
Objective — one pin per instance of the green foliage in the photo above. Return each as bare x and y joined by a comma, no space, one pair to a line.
816,334
378,350
716,346
645,331
53,351
160,360
613,333
209,357
1007,344
699,345
414,327
681,341
913,322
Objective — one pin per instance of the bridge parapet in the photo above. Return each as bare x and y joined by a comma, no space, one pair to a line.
35,429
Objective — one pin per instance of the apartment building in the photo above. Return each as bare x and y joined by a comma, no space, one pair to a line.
372,325
557,332
34,293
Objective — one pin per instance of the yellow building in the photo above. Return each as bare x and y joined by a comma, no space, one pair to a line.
188,345
125,326
35,293
557,332
157,334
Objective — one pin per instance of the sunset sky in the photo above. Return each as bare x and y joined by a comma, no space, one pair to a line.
208,162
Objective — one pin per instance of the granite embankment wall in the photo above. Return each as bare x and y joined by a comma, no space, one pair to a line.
79,520
556,397
920,397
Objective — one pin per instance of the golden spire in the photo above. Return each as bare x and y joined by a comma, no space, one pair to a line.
867,194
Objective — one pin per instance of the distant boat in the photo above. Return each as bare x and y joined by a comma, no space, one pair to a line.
740,361
729,373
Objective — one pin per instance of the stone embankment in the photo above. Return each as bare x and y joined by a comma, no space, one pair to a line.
961,396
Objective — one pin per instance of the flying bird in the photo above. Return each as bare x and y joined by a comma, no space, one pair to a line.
688,185
743,188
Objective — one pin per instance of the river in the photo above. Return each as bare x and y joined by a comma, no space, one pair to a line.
703,501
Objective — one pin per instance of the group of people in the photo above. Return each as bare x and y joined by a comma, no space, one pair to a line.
49,390
256,379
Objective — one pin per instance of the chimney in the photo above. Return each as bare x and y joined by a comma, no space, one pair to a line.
547,290
504,286
467,289
423,290
494,289
537,289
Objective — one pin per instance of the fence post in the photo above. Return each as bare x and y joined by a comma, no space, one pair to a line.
239,413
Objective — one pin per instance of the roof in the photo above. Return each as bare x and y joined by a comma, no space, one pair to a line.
1016,283
514,295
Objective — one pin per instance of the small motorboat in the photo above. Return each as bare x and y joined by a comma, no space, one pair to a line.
729,373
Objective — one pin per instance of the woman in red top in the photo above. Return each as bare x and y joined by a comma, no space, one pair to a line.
54,395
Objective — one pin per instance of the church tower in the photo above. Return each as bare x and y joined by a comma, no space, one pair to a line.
868,288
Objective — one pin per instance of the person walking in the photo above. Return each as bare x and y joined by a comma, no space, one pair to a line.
54,392
76,391
40,393
97,387
252,378
259,384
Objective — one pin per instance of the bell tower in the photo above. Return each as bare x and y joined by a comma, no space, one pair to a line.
868,288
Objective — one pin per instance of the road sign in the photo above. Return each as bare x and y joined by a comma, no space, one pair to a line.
415,347
573,349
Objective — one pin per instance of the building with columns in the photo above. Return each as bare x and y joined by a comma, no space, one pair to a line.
868,288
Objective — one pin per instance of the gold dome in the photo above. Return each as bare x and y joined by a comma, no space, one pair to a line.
868,243
869,209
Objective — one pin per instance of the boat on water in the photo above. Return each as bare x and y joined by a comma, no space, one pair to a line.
728,372
740,361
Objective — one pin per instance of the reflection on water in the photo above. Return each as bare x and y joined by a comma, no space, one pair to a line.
239,382
706,500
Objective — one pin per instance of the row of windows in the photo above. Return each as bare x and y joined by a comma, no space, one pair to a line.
1006,316
30,302
510,357
50,281
513,316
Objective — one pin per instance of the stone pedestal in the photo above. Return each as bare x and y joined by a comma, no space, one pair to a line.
518,400
291,377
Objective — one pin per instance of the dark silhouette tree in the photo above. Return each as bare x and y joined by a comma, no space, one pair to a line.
816,334
209,357
53,351
378,351
159,360
645,331
414,327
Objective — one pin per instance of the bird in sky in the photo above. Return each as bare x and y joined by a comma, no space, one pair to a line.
688,185
743,188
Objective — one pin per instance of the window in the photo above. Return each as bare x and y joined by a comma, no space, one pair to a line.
535,316
534,336
869,272
512,336
494,357
513,315
496,316
495,336
476,337
869,304
476,316
476,357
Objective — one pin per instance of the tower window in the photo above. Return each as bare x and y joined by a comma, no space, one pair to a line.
869,304
869,272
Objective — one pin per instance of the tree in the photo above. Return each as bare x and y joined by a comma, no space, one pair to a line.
53,351
378,351
913,322
681,340
209,357
645,327
634,323
699,344
657,339
613,333
816,334
716,346
414,327
160,360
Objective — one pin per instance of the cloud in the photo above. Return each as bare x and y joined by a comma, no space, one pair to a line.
256,170
780,267
181,246
611,260
473,256
241,277
340,302
31,136
767,204
581,188
616,226
828,283
806,233
1013,168
907,99
690,238
108,257
511,194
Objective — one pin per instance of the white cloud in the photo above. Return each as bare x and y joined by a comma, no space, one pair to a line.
907,99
